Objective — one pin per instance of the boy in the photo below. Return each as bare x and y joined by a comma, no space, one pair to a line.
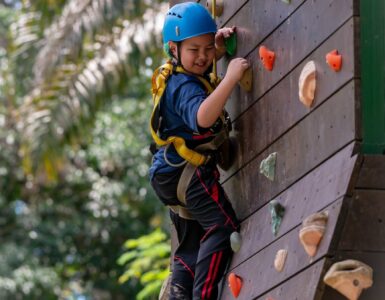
192,111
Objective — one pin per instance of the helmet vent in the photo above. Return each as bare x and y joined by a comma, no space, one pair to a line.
174,14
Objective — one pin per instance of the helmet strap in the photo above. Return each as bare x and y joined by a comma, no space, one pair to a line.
178,49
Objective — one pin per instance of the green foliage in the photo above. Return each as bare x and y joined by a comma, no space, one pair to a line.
21,280
62,226
147,260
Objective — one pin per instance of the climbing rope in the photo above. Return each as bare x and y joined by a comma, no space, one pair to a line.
213,13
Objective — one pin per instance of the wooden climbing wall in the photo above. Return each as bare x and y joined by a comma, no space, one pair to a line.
319,164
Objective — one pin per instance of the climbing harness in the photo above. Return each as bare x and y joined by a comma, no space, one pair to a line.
177,27
159,82
192,157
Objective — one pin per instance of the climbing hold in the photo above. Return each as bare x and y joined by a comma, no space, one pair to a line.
280,259
312,231
218,7
267,166
246,81
307,84
334,60
231,44
165,289
277,212
235,284
267,57
349,277
286,1
235,241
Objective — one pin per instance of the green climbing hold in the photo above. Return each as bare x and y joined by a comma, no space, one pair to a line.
231,44
277,211
235,241
267,166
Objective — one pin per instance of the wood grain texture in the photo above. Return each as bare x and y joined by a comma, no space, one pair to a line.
293,289
316,138
294,40
258,273
280,109
255,20
312,193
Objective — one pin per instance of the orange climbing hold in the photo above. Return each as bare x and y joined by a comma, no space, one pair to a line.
267,57
334,60
235,284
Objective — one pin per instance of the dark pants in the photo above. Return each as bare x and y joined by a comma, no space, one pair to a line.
204,243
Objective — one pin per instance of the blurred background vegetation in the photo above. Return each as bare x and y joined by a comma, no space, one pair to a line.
78,219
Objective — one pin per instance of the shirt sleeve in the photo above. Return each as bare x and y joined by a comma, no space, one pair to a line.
188,98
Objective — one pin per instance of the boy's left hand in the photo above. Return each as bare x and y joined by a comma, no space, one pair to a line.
220,37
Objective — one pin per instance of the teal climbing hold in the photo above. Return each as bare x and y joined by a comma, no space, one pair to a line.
231,44
235,241
267,166
277,212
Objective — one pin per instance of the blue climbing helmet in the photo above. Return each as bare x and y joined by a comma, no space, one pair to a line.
187,20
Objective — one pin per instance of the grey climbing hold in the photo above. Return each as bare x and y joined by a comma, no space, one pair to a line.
235,241
267,166
277,212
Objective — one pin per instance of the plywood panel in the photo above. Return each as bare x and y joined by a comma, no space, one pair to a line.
294,288
292,42
255,20
280,108
316,138
230,8
372,175
258,272
365,225
311,194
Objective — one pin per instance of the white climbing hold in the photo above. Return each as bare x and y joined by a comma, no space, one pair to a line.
349,277
235,241
280,259
307,84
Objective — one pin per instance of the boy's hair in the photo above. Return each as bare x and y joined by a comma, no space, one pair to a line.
167,50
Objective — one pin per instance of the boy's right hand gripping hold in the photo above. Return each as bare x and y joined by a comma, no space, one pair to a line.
235,70
212,107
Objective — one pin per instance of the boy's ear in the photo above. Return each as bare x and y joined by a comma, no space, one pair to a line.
173,49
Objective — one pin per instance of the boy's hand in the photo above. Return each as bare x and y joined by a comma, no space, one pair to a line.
236,68
221,35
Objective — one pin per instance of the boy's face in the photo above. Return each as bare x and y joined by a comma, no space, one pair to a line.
197,53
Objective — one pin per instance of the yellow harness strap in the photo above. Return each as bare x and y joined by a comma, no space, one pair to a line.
159,82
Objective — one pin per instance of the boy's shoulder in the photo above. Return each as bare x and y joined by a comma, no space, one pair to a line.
179,79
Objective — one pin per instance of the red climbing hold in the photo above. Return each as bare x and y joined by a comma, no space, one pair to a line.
267,57
334,60
235,284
